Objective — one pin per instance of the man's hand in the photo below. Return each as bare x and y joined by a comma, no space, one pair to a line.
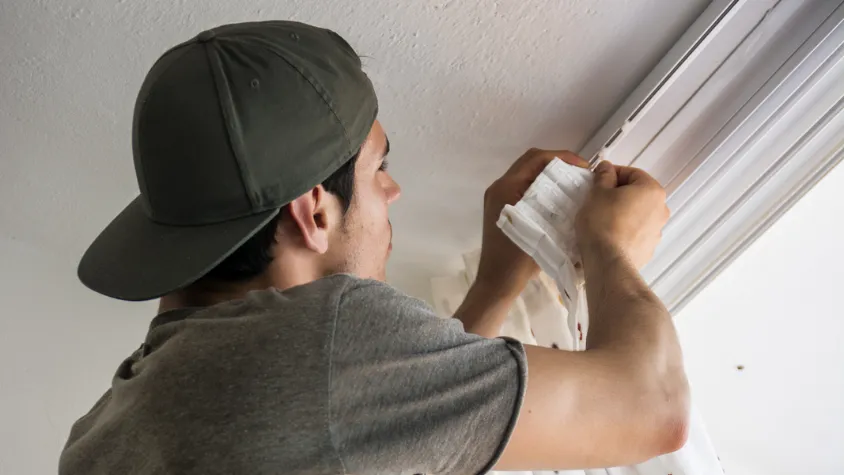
625,211
504,268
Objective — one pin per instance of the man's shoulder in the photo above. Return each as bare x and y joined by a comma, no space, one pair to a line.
373,296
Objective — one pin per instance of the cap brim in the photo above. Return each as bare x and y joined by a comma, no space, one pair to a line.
135,258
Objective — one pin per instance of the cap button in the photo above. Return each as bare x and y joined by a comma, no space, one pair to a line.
205,36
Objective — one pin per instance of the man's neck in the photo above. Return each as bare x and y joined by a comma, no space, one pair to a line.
206,294
298,268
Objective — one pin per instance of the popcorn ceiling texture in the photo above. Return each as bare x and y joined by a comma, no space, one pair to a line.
465,87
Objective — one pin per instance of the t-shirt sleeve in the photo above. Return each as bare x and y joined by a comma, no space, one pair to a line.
413,393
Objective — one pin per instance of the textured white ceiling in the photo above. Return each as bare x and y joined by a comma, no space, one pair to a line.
464,88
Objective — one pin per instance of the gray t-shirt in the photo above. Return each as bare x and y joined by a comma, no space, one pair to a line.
338,376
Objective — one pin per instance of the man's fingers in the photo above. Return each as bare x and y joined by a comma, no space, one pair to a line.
531,164
606,175
573,159
531,159
632,175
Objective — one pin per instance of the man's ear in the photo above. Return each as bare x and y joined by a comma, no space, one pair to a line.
310,213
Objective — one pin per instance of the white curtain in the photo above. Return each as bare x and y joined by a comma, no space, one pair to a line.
538,317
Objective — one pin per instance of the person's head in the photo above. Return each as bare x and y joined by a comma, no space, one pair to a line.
260,163
339,226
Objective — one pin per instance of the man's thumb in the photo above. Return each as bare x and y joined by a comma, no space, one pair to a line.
605,175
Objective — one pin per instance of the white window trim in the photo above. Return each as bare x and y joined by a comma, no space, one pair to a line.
739,120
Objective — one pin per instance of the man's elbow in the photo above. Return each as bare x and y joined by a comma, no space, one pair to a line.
673,428
674,434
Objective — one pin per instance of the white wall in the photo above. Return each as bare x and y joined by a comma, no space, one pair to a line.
59,347
777,311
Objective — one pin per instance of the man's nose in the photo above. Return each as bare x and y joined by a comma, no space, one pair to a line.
393,191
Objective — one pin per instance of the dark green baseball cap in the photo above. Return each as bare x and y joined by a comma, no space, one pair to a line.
228,128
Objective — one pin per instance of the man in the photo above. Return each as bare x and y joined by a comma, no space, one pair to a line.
262,225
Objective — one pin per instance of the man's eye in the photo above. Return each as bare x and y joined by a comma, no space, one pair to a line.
383,166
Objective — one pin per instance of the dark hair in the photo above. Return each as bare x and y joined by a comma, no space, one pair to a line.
255,255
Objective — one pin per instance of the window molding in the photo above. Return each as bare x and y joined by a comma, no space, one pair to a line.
738,121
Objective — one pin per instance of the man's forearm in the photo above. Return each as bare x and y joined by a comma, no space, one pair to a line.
631,332
627,319
485,308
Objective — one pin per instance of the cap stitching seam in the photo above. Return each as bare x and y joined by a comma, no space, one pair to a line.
318,88
225,106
